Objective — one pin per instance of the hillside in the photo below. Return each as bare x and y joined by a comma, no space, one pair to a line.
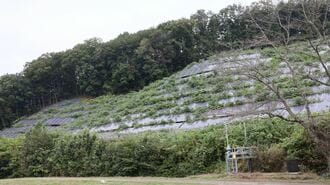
210,92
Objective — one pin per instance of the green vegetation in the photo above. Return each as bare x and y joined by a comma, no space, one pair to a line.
173,96
135,74
41,153
132,61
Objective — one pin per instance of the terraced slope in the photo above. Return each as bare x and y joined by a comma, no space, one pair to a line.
203,94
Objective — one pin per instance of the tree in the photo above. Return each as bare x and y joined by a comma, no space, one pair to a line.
271,75
35,152
234,26
200,22
15,95
133,60
89,72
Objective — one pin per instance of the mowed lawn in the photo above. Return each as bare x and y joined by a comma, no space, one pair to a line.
208,180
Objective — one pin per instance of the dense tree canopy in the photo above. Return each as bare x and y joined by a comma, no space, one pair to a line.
131,61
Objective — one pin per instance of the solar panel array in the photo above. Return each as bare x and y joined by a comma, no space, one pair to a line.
199,68
13,132
57,116
58,121
27,122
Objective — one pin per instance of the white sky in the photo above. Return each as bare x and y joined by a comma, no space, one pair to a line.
29,28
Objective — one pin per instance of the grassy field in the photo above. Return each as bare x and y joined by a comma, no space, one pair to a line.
255,179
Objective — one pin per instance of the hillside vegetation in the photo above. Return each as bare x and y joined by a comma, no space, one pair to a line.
131,61
205,93
267,72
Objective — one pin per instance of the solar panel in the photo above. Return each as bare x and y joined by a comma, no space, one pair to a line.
58,121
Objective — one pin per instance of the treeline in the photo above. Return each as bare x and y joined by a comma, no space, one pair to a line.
41,153
131,61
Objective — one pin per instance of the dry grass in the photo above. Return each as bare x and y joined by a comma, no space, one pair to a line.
207,179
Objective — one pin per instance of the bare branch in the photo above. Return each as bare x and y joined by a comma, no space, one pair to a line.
310,22
271,115
316,50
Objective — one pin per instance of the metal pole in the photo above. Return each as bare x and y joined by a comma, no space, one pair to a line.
245,138
226,129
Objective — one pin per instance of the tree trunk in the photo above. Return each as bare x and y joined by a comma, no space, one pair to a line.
42,101
3,123
328,158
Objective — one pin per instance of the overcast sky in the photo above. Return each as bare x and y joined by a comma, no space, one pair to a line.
29,28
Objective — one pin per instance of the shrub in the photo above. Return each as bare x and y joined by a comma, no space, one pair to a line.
196,82
270,159
179,153
34,154
9,155
300,147
298,101
79,155
219,87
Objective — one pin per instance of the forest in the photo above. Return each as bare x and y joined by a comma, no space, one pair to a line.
133,60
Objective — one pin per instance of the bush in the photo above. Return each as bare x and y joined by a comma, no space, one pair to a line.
9,150
300,147
79,155
196,82
177,154
35,152
271,159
